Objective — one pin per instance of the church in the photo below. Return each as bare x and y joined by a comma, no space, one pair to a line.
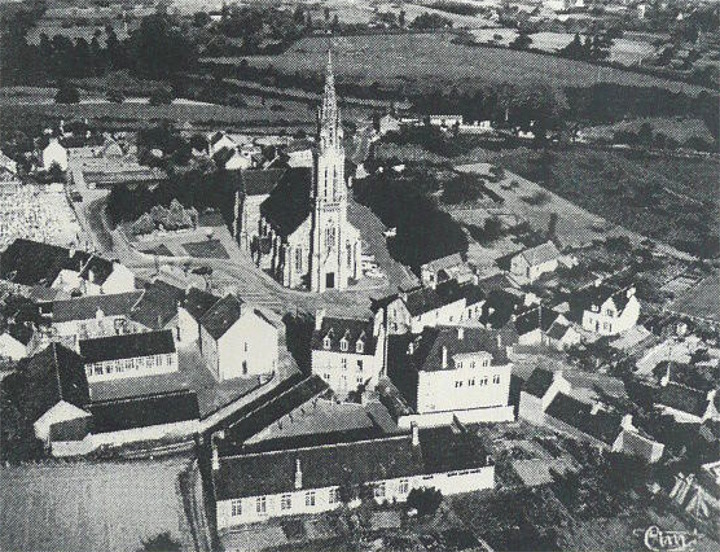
294,221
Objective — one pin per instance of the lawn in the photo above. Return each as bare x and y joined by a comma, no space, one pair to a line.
673,199
88,506
210,249
428,61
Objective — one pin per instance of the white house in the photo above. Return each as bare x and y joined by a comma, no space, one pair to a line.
605,310
536,261
94,315
309,480
447,303
54,153
219,140
129,356
231,159
16,341
453,371
451,267
236,340
347,353
446,121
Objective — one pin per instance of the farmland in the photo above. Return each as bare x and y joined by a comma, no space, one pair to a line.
430,61
680,129
86,507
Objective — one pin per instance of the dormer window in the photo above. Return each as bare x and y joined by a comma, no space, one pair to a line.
326,342
343,344
360,346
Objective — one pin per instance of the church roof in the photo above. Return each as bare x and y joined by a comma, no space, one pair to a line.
289,204
260,181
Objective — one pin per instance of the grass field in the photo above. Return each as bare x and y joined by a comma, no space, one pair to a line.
428,61
87,507
678,128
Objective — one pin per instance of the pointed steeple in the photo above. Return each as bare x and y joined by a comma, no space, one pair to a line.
330,129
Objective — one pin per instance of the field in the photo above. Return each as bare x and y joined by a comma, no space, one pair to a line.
625,51
86,507
678,128
428,61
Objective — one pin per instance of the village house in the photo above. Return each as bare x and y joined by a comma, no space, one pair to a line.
446,121
348,353
448,372
536,261
17,341
548,398
28,264
230,159
129,355
388,123
218,141
421,307
686,404
157,308
312,479
451,267
54,154
541,325
235,339
605,310
93,316
300,154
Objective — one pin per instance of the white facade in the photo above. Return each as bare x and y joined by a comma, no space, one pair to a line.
120,280
63,411
313,501
132,367
533,263
346,371
54,153
248,348
224,142
607,319
399,319
12,348
238,162
475,383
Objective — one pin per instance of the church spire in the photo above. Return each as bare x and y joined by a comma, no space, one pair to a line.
330,129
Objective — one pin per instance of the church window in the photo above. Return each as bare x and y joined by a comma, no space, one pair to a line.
348,246
298,259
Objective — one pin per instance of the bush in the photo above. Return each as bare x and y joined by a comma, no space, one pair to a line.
115,96
425,501
67,94
464,188
161,96
161,543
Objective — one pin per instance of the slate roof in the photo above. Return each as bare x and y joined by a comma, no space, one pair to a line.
85,308
536,318
20,333
499,308
427,356
446,449
198,302
144,411
448,261
127,346
221,316
473,294
289,204
540,254
558,330
260,182
683,398
584,299
539,382
351,329
55,374
224,155
158,305
323,466
32,263
421,300
603,425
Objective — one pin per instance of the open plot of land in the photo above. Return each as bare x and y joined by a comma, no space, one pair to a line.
428,61
679,129
87,506
702,301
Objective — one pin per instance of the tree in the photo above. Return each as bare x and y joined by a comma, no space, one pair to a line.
67,94
425,501
161,96
115,96
55,173
431,21
401,19
521,42
161,543
201,19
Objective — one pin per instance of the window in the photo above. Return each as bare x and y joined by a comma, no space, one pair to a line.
261,505
326,342
459,365
326,376
310,498
127,365
343,363
484,380
244,367
98,369
472,364
359,380
360,365
109,368
471,382
150,362
360,346
89,370
286,502
380,490
119,368
236,507
404,487
496,379
245,346
298,260
609,312
343,344
334,496
458,384
486,363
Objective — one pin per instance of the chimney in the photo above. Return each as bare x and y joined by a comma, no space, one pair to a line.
444,357
71,252
99,314
461,333
415,434
666,378
215,457
319,315
298,475
499,341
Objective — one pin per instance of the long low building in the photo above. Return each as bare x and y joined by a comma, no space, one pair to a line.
308,480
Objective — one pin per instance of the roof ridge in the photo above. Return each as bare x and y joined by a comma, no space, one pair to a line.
57,370
159,394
